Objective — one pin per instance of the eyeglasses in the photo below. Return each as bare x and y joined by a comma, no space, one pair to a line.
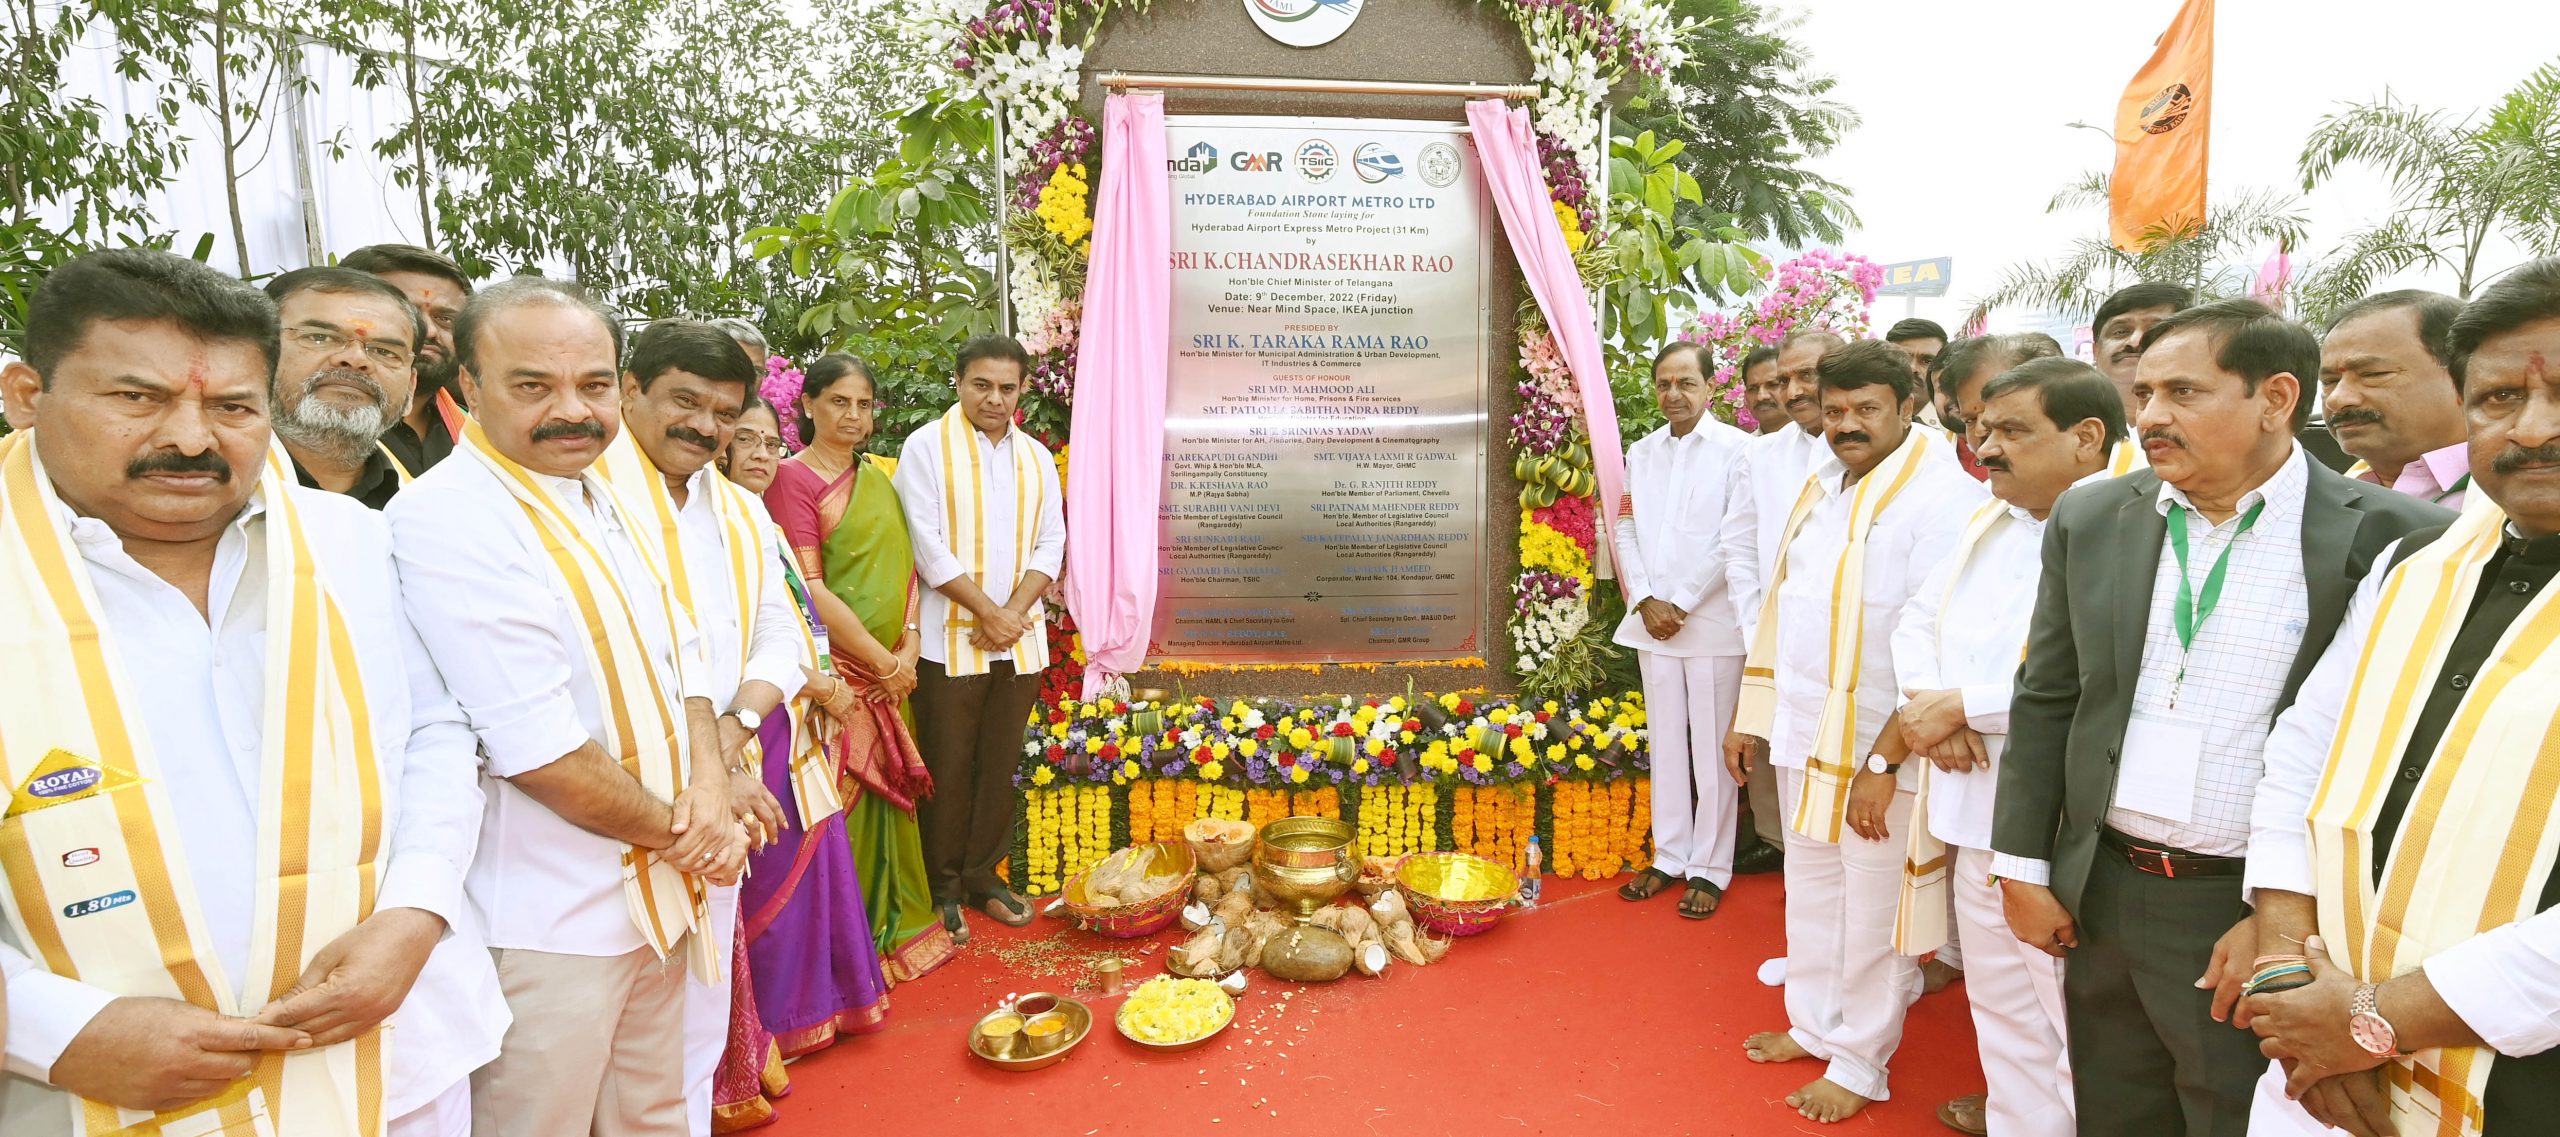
751,441
325,341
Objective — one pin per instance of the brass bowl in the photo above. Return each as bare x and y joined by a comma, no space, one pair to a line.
1079,1024
1455,894
1304,863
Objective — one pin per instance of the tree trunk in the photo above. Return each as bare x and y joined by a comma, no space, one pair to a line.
417,121
230,139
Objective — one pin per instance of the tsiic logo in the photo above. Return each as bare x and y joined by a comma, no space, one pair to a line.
1315,159
1375,163
2167,109
1263,163
1439,164
1200,159
1303,23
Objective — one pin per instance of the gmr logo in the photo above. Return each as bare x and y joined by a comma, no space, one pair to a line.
1200,159
1265,163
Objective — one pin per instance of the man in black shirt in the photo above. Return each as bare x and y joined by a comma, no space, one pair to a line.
343,373
436,286
2409,930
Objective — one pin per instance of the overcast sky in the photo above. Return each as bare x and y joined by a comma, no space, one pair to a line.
1963,105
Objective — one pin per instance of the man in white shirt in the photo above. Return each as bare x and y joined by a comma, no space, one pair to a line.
2456,1014
1868,526
988,519
609,808
1765,483
1681,627
681,395
2390,398
2176,613
2043,427
143,465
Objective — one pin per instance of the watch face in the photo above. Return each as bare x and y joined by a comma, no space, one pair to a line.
2374,1034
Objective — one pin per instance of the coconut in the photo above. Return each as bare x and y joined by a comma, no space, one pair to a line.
1306,954
1370,958
1219,843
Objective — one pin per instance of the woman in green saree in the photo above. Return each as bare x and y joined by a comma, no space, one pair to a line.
835,506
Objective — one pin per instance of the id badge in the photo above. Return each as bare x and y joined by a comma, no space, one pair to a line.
2156,773
826,656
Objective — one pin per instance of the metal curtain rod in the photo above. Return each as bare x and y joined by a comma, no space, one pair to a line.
1118,80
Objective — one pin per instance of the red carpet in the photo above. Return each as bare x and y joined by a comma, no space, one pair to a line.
1585,1015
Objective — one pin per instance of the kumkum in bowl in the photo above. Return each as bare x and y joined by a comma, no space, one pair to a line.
1456,894
1029,1033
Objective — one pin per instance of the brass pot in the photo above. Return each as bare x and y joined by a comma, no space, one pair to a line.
1304,863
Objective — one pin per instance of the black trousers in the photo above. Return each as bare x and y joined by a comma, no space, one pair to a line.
970,730
2147,1059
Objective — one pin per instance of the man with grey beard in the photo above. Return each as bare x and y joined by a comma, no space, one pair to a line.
344,372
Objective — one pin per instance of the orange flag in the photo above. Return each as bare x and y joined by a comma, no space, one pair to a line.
2162,126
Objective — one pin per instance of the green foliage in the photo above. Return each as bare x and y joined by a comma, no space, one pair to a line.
894,266
1751,113
2456,183
2205,258
1649,261
71,156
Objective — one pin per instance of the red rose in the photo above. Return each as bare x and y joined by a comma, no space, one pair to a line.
1266,731
1056,754
1199,754
1466,706
1413,724
1288,759
1056,717
1512,729
1543,716
1109,752
1342,730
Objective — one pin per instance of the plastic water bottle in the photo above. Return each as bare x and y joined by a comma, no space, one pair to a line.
1530,885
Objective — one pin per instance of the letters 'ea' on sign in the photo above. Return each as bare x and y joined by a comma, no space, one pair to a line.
1917,278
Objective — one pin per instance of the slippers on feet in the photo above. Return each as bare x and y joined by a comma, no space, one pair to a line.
1691,909
1647,885
954,923
1006,908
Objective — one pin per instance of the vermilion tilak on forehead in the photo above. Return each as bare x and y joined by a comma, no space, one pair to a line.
196,368
360,327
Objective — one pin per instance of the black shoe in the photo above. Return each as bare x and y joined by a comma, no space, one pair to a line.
1761,857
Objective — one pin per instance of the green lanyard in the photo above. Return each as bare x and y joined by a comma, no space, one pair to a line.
2192,609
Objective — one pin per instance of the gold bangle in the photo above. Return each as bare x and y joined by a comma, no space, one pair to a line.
896,665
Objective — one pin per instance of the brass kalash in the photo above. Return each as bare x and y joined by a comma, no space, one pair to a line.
1305,863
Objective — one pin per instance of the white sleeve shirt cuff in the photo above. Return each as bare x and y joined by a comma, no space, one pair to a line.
47,1011
1986,707
2279,860
426,882
2024,870
2500,983
543,730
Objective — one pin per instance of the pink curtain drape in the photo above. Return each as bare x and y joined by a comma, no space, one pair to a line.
1115,443
1508,151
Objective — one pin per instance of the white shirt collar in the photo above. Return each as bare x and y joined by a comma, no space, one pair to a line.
2100,474
2283,493
96,537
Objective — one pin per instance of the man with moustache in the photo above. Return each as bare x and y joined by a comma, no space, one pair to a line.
1920,340
2177,612
343,373
2117,331
243,799
2391,399
682,392
1866,528
2045,425
431,420
1681,628
2411,927
539,594
1766,482
1762,388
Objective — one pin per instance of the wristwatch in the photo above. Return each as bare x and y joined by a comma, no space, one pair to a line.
748,718
2366,1024
1877,765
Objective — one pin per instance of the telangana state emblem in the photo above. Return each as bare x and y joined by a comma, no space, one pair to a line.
2167,109
1439,165
1303,23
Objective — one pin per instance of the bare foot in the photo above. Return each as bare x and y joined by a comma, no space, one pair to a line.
1822,1101
1935,976
1773,1046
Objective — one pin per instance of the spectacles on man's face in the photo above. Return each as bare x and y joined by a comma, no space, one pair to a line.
327,341
756,441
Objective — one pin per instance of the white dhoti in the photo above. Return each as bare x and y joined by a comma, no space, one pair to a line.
1688,705
448,1114
2275,1115
706,1016
1847,989
2016,992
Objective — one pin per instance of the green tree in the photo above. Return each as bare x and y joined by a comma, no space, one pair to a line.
2207,258
2457,183
1749,111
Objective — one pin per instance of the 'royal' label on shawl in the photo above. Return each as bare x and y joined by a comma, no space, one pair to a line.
62,778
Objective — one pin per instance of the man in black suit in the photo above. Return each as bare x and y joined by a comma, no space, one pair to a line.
2178,611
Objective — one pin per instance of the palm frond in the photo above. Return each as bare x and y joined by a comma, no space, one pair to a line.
2407,144
2089,189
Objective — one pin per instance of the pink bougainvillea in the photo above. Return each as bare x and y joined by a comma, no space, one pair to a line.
1820,289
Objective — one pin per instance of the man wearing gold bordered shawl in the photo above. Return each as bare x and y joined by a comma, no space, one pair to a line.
681,394
985,510
238,799
1867,526
2409,931
2041,427
540,595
